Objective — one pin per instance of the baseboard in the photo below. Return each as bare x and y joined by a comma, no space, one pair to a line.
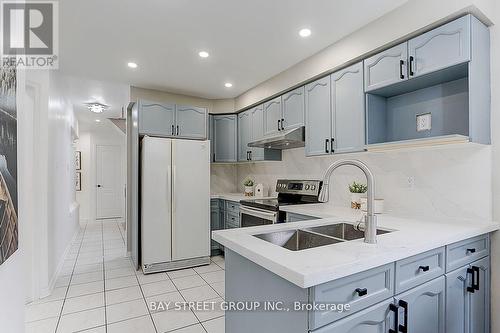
44,292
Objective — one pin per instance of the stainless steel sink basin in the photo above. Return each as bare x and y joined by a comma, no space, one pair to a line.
296,240
344,231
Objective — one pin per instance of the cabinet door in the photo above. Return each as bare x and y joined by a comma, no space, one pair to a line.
386,68
211,137
467,311
442,47
375,319
257,116
293,108
191,122
226,139
272,116
348,109
156,119
318,117
244,135
215,224
425,307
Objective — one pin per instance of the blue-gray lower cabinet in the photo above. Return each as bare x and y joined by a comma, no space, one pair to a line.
468,298
422,309
455,302
216,223
375,319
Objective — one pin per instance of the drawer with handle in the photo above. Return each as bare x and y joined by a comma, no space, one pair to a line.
359,291
411,272
233,207
232,220
464,252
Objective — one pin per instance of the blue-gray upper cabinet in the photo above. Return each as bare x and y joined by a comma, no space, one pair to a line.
257,120
293,104
318,117
226,138
386,68
423,307
244,135
272,116
348,108
156,118
375,319
211,137
191,122
467,308
439,48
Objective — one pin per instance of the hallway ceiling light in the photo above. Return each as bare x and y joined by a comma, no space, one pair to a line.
97,107
203,54
132,65
98,120
228,84
305,32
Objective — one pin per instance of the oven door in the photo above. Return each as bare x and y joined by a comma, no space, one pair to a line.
250,217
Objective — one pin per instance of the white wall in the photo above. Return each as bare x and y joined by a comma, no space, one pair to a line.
105,133
62,219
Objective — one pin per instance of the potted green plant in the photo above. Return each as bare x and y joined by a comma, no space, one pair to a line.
248,184
357,191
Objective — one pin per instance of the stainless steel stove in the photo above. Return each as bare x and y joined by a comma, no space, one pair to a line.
290,192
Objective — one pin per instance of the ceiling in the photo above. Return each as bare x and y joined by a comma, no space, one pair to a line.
82,91
249,41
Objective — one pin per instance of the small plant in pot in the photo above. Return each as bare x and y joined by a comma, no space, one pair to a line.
357,192
248,183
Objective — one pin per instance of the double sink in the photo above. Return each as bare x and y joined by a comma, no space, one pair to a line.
306,238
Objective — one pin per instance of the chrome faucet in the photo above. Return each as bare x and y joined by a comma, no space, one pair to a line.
370,218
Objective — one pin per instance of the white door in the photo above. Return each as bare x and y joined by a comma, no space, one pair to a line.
110,194
190,199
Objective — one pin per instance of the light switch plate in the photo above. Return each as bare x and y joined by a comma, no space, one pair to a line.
424,122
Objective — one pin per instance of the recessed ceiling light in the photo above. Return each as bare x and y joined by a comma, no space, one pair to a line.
132,65
97,107
228,84
305,32
203,54
98,120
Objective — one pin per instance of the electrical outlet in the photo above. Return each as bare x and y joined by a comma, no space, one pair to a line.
424,122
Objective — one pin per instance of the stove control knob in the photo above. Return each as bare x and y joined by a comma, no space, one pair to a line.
307,186
313,187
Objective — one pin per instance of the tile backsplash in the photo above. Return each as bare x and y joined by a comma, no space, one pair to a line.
452,181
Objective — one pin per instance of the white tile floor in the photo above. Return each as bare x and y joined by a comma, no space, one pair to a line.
100,292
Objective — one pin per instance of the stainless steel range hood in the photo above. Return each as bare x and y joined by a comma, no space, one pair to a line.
293,138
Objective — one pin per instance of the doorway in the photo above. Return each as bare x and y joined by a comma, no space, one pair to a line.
110,198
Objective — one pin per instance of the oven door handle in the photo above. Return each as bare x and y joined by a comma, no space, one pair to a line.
263,214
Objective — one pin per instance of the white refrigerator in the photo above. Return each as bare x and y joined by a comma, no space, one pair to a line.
175,204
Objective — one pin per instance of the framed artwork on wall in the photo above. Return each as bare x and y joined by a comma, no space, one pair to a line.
9,231
78,160
78,181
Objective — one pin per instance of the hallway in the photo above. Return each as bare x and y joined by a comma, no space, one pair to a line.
99,291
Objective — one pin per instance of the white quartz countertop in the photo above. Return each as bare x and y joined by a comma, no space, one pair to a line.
318,265
235,196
